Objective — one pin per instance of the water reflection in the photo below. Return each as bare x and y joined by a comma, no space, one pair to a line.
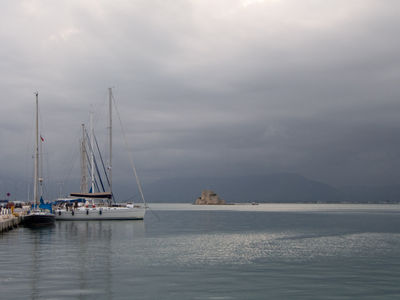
75,259
93,230
39,237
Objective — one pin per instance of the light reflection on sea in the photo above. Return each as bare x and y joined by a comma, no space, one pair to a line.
181,251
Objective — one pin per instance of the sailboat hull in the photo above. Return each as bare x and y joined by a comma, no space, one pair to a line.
38,220
100,213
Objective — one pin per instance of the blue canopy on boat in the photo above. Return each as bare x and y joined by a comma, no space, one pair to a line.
47,206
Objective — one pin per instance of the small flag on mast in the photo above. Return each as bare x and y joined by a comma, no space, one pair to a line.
41,138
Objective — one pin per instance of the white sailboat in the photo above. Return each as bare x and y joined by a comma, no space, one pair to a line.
37,216
98,205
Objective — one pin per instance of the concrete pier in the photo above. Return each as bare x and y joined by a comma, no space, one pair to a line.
8,221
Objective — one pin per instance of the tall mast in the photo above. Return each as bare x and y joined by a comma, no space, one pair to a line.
83,162
91,151
110,137
36,176
40,164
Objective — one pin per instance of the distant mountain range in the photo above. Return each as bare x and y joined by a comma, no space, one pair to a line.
272,188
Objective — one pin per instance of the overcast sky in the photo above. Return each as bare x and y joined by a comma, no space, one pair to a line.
204,88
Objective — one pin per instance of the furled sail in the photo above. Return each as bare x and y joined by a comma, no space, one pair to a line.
92,195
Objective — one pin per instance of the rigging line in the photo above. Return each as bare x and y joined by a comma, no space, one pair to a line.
29,138
102,161
154,213
99,114
73,158
104,169
129,152
44,157
96,184
46,178
98,174
88,169
96,168
131,198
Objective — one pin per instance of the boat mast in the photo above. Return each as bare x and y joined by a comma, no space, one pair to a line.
36,175
110,141
40,164
83,162
91,151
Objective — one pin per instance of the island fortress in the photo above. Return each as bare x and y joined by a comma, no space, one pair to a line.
209,197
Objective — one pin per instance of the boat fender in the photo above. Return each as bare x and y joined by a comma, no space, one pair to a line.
100,212
72,213
87,211
59,213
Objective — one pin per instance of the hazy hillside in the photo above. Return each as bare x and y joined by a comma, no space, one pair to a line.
371,194
282,187
260,188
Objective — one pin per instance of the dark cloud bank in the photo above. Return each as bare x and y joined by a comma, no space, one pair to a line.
215,90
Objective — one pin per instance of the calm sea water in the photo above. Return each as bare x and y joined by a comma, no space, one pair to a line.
181,251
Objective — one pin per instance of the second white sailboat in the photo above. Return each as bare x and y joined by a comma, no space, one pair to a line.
98,205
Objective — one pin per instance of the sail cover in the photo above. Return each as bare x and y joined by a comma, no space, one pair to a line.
92,195
43,205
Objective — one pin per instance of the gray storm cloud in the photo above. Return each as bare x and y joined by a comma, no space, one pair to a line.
236,87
